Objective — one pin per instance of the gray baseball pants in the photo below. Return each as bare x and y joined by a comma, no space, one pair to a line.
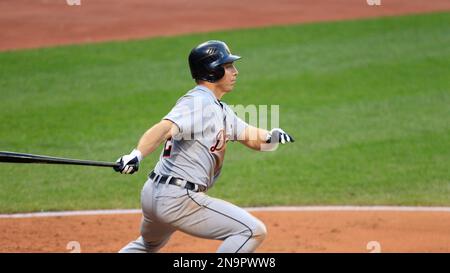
167,208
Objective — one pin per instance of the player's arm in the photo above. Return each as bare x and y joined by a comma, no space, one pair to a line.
149,141
154,136
253,137
263,140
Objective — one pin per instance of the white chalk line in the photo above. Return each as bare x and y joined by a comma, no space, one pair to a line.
274,209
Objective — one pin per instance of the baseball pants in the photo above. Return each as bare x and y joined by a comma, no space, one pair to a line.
167,208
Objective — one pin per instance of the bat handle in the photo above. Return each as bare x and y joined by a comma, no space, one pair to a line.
119,166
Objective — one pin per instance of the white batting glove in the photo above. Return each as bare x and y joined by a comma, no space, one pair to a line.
278,135
129,164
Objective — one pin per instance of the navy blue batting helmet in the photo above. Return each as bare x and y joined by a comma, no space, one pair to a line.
206,60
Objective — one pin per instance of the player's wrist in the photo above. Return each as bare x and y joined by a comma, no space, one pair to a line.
136,153
270,136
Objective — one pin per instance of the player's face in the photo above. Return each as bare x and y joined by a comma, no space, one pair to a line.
226,84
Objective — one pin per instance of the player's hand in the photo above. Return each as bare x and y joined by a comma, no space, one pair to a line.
129,164
278,135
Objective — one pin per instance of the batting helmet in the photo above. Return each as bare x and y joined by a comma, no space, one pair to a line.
206,60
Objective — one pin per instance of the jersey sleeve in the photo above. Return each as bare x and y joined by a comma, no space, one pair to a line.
237,125
185,114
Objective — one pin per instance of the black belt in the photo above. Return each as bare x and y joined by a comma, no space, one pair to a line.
176,181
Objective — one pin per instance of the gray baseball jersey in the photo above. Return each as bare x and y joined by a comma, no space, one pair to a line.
196,154
205,125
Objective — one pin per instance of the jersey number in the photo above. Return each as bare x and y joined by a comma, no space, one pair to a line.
167,148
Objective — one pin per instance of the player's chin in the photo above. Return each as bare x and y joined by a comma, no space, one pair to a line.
228,90
230,87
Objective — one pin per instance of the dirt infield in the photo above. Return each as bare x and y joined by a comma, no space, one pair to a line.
294,231
38,23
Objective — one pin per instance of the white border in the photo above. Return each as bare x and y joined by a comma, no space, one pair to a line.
277,208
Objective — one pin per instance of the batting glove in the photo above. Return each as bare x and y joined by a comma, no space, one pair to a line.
277,135
129,164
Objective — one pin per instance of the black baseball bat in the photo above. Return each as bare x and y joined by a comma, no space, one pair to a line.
11,157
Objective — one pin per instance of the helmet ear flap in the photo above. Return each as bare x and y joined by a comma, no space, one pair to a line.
215,74
220,72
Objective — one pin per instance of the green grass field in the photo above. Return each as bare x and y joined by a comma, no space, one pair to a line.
367,101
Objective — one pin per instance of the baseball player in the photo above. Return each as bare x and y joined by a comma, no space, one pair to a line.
196,132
